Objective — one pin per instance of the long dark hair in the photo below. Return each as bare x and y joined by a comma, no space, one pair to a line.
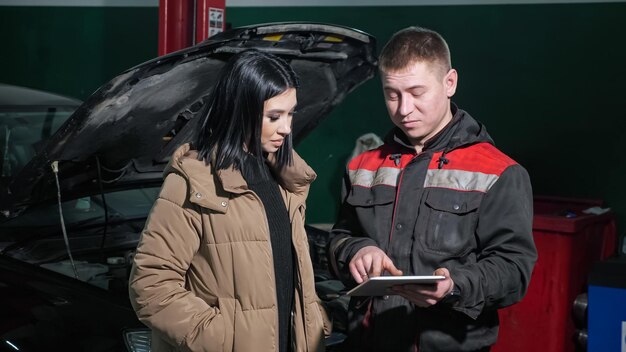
235,114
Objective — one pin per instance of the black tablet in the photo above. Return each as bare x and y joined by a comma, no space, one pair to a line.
381,285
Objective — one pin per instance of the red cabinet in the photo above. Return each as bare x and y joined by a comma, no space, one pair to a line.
568,242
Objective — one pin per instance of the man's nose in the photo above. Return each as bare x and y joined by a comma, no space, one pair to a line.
406,106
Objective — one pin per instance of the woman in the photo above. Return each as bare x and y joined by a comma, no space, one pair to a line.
223,262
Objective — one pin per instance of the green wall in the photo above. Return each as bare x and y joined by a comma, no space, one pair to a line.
547,80
74,50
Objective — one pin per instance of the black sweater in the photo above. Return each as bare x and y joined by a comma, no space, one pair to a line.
260,181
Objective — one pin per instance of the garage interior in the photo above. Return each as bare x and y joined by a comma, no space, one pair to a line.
547,78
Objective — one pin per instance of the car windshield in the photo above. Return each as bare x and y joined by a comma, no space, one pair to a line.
121,205
24,132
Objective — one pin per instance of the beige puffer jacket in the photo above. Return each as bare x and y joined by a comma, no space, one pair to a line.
203,275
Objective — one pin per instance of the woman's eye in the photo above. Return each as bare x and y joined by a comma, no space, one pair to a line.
273,117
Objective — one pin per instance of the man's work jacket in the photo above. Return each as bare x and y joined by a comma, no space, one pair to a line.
460,204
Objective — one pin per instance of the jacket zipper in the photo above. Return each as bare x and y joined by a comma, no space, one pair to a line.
393,214
395,201
370,302
299,290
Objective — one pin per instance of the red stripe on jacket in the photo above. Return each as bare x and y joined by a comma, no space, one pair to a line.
374,159
481,157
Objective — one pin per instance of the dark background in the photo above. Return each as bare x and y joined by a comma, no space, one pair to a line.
547,80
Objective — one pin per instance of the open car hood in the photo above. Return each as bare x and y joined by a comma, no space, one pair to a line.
122,135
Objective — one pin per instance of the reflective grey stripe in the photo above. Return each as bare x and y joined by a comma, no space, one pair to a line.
366,178
460,180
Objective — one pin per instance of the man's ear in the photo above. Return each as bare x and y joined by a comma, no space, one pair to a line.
450,81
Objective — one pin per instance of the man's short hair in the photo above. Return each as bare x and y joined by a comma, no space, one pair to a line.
414,44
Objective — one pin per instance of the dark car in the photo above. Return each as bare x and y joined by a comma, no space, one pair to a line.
28,117
71,217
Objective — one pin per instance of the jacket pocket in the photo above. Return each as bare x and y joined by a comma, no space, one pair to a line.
228,309
370,197
451,218
369,212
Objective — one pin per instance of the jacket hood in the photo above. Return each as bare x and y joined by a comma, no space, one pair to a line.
123,135
296,178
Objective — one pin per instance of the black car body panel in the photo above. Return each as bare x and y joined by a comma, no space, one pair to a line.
125,132
46,311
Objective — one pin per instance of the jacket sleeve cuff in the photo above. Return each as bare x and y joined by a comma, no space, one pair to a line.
463,302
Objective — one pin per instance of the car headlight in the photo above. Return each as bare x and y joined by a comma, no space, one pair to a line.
138,340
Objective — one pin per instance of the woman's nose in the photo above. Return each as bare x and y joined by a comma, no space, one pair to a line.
285,127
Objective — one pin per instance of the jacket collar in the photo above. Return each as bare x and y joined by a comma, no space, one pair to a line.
213,190
462,130
295,178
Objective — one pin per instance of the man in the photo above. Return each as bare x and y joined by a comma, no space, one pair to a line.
437,198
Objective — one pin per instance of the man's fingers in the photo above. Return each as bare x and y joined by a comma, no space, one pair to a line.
357,273
426,290
418,298
376,268
446,285
361,268
442,272
367,264
388,265
371,261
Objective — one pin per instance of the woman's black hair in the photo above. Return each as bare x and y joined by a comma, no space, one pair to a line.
235,110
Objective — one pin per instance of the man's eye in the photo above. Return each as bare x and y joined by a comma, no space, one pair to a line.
392,96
